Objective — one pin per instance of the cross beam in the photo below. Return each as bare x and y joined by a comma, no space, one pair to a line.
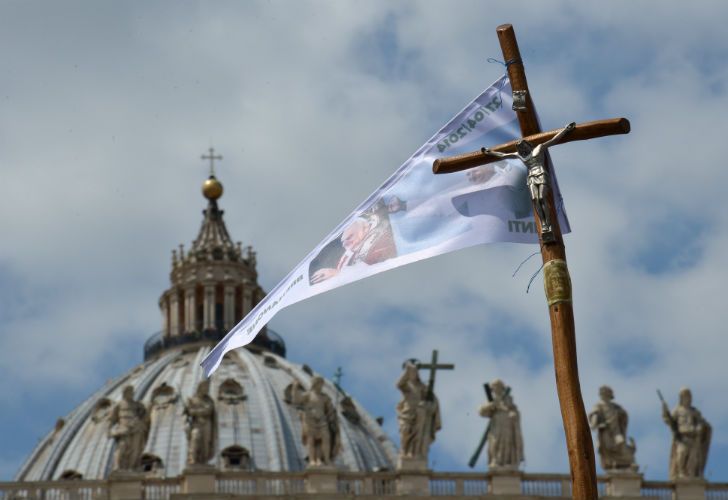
433,366
557,282
582,132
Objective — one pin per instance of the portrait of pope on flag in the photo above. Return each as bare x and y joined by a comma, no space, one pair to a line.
366,240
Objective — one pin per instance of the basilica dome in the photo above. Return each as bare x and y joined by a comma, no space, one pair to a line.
257,423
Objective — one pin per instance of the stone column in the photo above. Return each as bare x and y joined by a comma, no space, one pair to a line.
322,480
173,312
229,307
247,299
413,476
208,308
624,484
190,309
690,489
504,482
164,308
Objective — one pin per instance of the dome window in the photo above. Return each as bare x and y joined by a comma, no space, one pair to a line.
270,362
71,475
102,408
231,392
180,362
349,410
163,396
151,463
60,424
292,392
236,457
228,360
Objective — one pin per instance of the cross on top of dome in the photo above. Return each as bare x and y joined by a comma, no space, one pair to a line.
212,157
212,188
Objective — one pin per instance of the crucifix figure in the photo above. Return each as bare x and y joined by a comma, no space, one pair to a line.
418,412
557,283
212,157
534,157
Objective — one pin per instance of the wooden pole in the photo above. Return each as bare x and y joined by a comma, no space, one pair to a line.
558,293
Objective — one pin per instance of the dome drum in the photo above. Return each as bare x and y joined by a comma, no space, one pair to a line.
267,340
207,305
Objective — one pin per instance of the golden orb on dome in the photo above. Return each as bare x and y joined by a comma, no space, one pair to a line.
212,188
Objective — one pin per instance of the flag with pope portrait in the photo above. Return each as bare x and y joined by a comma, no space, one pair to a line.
416,214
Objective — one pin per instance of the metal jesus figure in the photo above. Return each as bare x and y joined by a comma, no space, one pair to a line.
534,157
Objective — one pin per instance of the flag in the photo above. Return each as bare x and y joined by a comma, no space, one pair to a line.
416,214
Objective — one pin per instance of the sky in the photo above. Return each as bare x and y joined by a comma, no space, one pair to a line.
107,107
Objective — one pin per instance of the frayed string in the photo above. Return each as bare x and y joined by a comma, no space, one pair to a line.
533,278
530,281
506,64
521,264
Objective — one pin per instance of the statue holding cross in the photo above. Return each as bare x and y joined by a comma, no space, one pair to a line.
505,440
418,412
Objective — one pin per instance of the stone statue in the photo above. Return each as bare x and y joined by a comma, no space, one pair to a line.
690,437
505,441
610,421
320,427
129,428
534,157
201,425
418,415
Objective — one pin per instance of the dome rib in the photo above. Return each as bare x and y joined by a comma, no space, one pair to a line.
274,444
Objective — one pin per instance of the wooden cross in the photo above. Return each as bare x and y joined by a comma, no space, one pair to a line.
212,157
433,367
557,283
